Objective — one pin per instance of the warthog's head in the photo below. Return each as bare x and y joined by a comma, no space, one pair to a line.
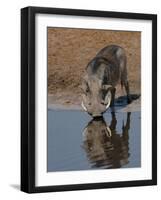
96,96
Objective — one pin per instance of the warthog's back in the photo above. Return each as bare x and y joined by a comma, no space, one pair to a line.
112,52
109,65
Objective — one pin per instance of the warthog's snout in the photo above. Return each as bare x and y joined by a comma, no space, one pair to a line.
94,115
96,98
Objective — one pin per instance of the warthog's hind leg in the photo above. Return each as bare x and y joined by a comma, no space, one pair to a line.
113,91
126,84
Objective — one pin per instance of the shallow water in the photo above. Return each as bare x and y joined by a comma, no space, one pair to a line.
76,142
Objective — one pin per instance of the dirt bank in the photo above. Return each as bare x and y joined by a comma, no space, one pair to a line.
69,51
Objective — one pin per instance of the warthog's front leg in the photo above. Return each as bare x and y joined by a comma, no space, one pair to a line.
113,91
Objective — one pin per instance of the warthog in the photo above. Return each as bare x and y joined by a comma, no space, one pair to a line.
103,73
105,148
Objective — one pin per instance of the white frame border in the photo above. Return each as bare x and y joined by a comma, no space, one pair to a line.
42,178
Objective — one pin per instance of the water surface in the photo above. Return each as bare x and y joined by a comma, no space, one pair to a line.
76,142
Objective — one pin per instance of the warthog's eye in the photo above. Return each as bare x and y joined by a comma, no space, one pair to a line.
103,102
87,89
102,96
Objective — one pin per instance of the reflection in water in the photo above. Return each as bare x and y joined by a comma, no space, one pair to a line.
105,148
118,146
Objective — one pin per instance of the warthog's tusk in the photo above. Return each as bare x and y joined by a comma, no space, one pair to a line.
83,106
108,98
109,101
109,132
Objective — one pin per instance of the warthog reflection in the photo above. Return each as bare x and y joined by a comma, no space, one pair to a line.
105,148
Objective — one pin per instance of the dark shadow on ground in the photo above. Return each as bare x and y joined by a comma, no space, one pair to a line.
122,100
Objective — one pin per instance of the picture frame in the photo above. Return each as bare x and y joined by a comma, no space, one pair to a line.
29,114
